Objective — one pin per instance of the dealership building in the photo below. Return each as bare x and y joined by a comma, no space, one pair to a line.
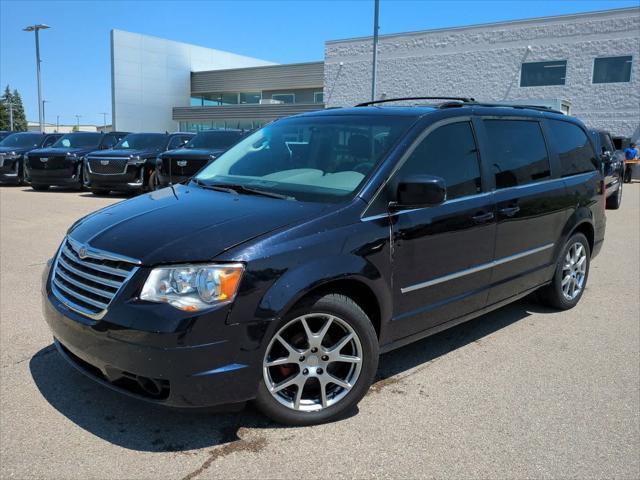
585,64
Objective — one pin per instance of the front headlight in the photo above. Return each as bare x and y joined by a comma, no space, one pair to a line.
193,287
135,160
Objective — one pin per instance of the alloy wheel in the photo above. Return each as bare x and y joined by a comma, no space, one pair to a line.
312,362
574,271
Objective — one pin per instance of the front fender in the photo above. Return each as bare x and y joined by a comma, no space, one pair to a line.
298,282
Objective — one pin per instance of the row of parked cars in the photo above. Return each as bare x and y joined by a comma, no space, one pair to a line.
114,161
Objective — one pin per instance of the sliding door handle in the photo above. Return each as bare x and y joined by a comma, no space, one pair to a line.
509,211
483,217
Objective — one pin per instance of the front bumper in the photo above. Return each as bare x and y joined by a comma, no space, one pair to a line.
164,180
58,178
203,363
131,179
9,170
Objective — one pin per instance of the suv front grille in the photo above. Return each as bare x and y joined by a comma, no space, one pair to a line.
86,280
108,166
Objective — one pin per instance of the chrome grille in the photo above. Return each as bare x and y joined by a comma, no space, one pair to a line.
108,165
86,279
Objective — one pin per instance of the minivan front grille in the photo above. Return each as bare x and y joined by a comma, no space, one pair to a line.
86,280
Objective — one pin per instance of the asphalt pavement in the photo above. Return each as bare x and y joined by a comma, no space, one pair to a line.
521,392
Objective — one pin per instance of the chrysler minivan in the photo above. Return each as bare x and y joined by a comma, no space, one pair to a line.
282,270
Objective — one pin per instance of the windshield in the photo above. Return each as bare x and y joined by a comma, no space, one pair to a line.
142,141
314,158
78,140
22,140
214,140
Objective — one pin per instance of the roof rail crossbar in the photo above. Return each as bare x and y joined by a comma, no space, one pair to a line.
400,99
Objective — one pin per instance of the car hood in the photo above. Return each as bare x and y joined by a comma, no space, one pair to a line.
192,153
187,223
16,150
43,152
126,153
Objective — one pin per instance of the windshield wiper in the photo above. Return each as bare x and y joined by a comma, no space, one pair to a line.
239,188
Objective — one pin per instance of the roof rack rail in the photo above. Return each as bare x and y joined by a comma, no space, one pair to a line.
400,99
541,108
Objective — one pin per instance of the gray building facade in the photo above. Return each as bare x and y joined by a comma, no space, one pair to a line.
590,60
250,97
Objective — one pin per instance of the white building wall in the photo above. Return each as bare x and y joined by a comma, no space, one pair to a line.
484,62
150,76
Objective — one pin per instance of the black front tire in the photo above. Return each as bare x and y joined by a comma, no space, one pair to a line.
351,313
552,295
615,200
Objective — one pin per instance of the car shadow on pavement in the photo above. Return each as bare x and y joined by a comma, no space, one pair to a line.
137,425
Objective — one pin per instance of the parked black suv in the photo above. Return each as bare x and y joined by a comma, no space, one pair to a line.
177,166
131,163
62,163
612,164
13,149
283,269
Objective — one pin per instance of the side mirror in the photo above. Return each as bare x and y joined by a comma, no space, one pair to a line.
415,191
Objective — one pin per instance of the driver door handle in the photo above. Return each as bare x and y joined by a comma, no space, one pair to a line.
509,211
483,217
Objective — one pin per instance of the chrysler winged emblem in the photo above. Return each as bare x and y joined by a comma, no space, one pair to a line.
182,163
44,159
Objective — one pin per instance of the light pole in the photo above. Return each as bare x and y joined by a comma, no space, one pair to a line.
36,28
376,9
78,122
44,117
104,120
57,123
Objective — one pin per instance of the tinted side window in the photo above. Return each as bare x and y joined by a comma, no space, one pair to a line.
517,152
449,152
177,142
109,141
50,140
574,150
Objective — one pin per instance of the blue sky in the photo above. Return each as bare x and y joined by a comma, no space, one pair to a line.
75,51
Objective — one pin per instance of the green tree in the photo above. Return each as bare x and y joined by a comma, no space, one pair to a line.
19,118
4,109
75,129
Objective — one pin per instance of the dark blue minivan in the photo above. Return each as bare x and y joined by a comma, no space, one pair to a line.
283,269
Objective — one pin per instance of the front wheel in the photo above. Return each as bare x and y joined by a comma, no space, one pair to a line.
319,363
570,278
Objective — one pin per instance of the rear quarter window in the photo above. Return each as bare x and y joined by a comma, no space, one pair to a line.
575,152
517,152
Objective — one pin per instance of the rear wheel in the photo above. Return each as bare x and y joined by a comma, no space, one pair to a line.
615,200
319,363
40,188
570,277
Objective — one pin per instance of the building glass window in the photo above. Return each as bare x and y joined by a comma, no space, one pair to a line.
318,97
538,74
250,97
284,97
612,69
197,101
